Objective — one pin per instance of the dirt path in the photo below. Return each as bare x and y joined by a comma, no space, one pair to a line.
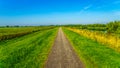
62,54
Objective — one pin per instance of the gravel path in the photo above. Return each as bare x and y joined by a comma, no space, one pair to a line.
62,54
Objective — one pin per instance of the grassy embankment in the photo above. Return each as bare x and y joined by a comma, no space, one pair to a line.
93,53
29,51
110,40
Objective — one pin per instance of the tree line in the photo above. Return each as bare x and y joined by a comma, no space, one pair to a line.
111,27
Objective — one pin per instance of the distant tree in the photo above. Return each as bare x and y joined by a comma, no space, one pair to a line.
16,26
7,26
112,26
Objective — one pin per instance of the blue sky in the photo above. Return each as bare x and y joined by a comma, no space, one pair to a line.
47,12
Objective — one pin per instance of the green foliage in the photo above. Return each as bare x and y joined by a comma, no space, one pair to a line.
92,53
29,51
113,27
12,32
109,28
96,27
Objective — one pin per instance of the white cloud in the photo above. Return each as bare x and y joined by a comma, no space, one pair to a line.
85,8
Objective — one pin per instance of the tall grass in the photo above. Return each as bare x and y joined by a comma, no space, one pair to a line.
110,40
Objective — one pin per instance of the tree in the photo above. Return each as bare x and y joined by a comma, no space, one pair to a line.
7,26
112,26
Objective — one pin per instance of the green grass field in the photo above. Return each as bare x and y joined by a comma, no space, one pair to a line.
12,32
92,53
29,51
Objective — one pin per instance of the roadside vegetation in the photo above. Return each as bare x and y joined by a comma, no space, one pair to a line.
110,28
29,51
107,34
109,40
93,53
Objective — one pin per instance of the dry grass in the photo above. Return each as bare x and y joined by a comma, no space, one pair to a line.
110,40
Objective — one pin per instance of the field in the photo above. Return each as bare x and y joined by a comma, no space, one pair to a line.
12,32
29,51
63,46
92,53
